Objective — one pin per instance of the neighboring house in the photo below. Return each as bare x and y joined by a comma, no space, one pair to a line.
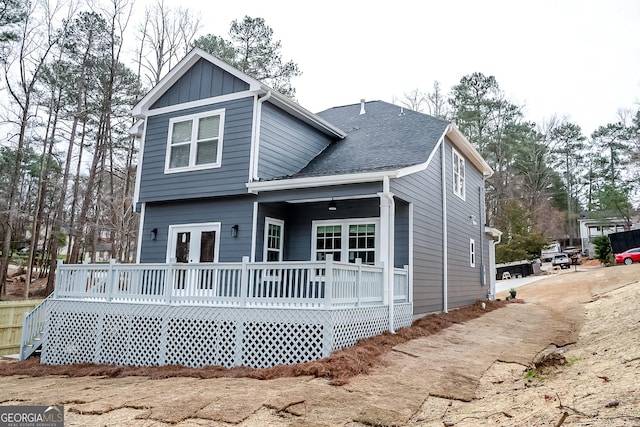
270,234
595,227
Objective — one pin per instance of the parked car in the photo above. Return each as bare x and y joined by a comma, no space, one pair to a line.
561,260
628,257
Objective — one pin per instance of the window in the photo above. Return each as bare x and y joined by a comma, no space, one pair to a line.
328,241
458,175
362,243
346,240
195,142
273,237
472,252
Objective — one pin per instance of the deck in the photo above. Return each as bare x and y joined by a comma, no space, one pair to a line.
227,314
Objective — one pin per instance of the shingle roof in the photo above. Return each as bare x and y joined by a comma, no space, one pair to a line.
386,137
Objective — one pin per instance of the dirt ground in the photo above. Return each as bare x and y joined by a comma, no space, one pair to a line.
568,353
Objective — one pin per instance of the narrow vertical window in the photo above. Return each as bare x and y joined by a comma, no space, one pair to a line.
472,252
273,239
458,175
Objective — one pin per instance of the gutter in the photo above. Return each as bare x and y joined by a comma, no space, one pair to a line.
318,181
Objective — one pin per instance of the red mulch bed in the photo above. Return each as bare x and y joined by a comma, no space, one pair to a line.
338,367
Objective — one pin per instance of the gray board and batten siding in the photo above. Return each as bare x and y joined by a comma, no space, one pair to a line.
203,80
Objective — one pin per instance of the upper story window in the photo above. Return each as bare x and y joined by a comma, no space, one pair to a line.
458,175
195,142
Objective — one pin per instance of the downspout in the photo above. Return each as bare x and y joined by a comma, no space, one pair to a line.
387,220
483,276
445,248
257,119
492,279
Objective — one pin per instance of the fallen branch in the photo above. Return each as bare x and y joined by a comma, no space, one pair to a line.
569,407
561,420
290,405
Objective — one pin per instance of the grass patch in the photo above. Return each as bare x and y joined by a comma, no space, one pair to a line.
572,360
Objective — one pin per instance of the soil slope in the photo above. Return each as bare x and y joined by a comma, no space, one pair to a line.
569,353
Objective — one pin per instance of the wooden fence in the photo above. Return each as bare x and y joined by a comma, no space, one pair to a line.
11,316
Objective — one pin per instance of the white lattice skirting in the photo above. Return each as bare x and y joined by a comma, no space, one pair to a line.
196,336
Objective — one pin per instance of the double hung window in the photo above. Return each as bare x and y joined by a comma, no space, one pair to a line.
195,142
273,238
346,240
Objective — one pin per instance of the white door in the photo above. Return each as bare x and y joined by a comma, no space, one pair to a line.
193,244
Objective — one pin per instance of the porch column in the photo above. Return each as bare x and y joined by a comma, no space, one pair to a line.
387,220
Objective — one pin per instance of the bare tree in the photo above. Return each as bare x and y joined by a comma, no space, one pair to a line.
165,36
22,65
437,102
413,100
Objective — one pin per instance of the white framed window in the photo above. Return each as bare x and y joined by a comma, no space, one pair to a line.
458,175
195,142
273,239
472,252
347,240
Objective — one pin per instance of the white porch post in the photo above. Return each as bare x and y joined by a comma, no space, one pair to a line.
387,220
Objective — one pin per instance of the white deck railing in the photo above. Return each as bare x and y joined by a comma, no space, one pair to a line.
325,284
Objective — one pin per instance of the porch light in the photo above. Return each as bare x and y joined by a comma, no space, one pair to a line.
234,231
332,206
154,234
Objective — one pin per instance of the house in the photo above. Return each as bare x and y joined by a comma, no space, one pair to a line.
270,234
591,228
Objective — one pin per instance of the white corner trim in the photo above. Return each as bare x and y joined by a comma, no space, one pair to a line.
136,189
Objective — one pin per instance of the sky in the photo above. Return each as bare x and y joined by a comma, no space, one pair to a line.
578,60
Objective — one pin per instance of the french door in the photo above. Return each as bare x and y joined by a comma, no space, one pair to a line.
193,244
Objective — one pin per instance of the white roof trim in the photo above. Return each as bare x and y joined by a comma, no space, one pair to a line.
319,181
327,180
141,109
464,146
137,129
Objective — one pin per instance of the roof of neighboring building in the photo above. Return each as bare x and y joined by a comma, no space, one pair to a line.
385,137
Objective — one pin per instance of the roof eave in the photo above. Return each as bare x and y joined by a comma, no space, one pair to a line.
468,150
319,181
